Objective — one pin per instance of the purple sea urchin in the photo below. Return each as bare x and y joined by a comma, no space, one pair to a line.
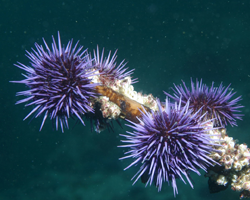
108,68
168,144
59,82
216,101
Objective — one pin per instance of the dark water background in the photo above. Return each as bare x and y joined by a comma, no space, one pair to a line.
165,41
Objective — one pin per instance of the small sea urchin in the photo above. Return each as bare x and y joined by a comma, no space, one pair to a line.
108,68
217,102
59,82
168,144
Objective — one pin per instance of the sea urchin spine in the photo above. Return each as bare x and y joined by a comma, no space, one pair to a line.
168,144
217,102
59,82
109,71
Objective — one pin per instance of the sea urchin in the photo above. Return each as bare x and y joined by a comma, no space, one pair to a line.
59,82
168,144
217,102
109,71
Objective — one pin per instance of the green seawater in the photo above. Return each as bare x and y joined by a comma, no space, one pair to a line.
164,41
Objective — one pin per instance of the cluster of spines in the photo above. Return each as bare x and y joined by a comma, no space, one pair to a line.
217,102
180,131
108,67
168,143
60,81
